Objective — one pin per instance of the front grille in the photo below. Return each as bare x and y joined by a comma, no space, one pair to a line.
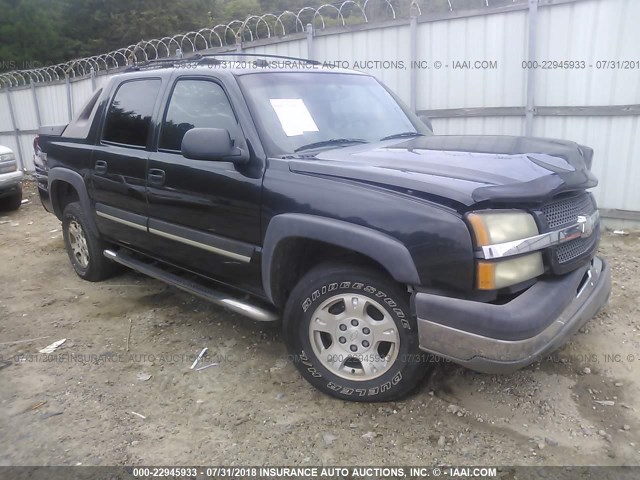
566,211
562,213
574,248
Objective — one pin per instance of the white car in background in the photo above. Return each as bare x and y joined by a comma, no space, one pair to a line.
10,180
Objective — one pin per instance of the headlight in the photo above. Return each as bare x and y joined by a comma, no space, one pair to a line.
503,273
8,163
493,227
499,227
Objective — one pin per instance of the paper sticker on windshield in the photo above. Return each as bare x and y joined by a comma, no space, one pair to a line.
293,115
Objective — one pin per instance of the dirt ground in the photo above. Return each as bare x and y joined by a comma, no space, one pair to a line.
76,406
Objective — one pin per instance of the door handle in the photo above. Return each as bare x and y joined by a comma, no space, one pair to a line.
101,167
156,177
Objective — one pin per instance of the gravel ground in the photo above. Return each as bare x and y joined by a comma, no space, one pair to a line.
76,406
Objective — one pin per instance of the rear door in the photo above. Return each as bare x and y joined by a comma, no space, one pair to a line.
204,215
118,174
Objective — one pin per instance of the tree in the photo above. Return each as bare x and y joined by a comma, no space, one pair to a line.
30,34
38,32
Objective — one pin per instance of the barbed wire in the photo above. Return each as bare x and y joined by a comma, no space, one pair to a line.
253,28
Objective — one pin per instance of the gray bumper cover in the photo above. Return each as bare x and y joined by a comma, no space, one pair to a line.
502,338
11,179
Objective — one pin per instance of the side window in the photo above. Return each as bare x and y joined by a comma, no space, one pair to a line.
195,104
129,115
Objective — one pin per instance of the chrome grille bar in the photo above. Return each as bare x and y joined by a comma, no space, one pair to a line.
583,228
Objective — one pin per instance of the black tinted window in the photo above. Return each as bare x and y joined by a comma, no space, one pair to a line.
195,103
129,115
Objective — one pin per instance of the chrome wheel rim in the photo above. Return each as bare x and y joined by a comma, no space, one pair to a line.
354,337
78,243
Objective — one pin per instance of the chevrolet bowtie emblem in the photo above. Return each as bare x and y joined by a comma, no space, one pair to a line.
586,224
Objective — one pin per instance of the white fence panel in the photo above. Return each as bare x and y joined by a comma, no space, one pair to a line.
478,126
80,92
366,50
102,80
5,119
500,38
26,147
292,48
596,32
616,144
24,109
52,100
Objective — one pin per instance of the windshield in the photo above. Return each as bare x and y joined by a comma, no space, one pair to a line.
297,110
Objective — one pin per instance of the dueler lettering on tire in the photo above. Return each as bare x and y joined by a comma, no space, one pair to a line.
351,334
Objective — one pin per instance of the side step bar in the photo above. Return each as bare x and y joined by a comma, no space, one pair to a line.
243,307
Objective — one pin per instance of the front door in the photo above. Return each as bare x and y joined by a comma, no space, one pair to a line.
203,215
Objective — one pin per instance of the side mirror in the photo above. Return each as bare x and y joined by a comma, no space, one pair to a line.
427,121
212,144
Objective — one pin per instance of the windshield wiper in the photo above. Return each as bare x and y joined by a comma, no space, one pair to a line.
403,135
332,141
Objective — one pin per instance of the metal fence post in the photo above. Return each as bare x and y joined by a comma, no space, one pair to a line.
310,41
413,53
16,131
67,82
36,104
93,79
531,72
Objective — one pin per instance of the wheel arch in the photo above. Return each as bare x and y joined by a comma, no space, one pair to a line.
60,180
285,230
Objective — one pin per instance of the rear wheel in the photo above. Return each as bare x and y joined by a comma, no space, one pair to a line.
351,334
85,248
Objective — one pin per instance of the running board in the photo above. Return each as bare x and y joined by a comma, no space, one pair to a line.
243,307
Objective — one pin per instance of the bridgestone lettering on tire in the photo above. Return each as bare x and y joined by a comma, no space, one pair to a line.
351,334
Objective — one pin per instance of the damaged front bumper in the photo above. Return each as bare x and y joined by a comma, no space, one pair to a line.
494,338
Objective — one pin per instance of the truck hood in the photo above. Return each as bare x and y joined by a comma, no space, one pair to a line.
463,169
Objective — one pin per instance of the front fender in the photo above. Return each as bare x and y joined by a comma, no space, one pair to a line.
382,248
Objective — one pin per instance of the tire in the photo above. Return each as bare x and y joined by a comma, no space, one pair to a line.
13,202
85,249
387,363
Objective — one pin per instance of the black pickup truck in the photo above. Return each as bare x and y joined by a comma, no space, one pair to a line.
316,197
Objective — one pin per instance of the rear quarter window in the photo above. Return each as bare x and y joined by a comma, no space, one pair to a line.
129,115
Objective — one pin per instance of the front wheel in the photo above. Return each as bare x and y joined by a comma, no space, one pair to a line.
351,334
